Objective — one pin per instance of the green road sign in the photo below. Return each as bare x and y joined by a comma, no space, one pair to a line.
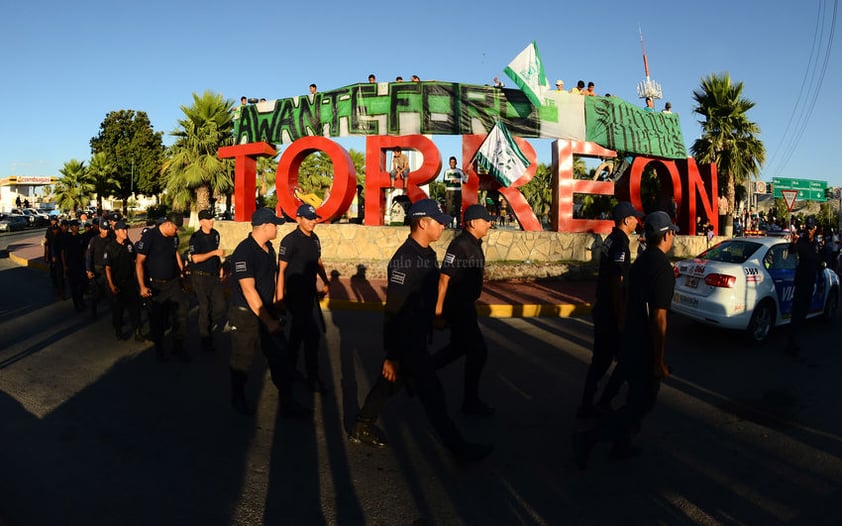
808,190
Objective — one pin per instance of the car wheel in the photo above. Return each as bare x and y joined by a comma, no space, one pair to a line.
831,305
761,322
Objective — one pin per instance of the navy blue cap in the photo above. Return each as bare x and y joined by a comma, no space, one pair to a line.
429,208
205,214
307,212
261,216
625,209
173,218
121,225
477,212
658,223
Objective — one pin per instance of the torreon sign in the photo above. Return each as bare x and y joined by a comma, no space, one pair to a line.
394,115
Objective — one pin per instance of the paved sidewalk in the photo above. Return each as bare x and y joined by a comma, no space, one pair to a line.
499,299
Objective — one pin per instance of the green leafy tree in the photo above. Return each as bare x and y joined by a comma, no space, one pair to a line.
729,138
134,151
75,188
192,170
538,192
102,173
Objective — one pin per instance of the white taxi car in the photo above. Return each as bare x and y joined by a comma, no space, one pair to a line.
748,283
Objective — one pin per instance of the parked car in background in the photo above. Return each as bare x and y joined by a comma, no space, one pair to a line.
41,218
13,222
748,284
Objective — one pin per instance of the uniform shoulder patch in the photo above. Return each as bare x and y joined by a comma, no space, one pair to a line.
398,277
240,266
449,258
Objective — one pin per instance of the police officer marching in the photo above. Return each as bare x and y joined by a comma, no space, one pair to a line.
460,286
610,307
73,258
206,273
159,270
119,263
808,249
95,264
299,261
650,289
413,278
253,319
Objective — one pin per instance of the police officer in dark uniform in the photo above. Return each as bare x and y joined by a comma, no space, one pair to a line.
205,259
95,264
808,249
52,255
159,270
119,263
73,255
413,278
609,309
253,319
650,290
460,286
299,261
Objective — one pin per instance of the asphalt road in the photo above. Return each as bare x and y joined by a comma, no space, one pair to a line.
96,432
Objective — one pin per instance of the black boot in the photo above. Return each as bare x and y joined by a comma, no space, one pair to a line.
138,336
238,393
181,353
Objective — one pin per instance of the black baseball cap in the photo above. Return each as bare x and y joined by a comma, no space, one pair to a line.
205,214
624,209
307,212
121,225
658,223
429,208
173,218
477,212
261,216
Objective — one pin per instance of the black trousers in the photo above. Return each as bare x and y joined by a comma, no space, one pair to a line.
126,300
78,281
418,374
99,289
247,335
211,300
465,340
607,341
168,300
800,305
453,204
621,425
304,329
57,277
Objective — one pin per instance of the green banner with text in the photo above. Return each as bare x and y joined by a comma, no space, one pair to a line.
449,108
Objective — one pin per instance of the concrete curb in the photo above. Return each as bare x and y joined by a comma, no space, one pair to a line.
559,310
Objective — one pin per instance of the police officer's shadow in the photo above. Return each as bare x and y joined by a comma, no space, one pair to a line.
361,287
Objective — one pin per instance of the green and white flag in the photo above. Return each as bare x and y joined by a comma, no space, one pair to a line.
527,71
500,155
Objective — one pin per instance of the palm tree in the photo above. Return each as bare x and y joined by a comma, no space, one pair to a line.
103,176
75,188
192,167
728,139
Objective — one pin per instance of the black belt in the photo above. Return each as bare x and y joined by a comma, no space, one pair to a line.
202,273
162,281
241,308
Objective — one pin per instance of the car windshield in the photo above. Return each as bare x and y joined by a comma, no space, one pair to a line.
731,251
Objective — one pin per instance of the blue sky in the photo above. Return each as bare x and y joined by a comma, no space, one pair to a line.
66,65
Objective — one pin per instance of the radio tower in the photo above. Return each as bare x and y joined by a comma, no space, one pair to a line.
647,88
